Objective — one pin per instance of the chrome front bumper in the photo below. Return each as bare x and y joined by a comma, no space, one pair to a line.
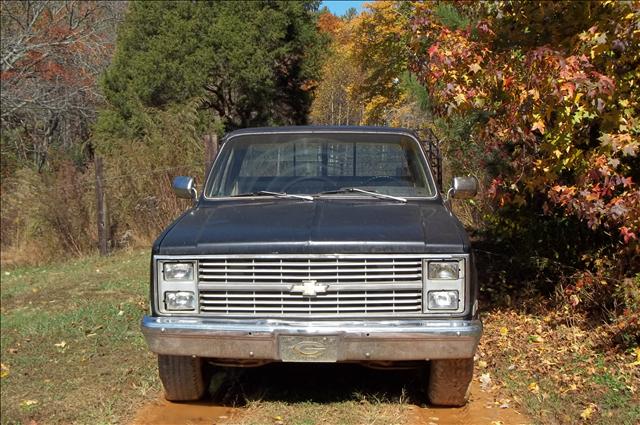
275,340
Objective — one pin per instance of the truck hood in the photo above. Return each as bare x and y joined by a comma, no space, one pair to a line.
291,226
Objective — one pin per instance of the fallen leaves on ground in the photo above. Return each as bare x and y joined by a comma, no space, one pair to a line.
4,370
552,357
588,411
485,381
27,404
637,362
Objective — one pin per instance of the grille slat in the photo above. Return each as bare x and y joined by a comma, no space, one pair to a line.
271,269
305,302
319,309
303,263
354,286
280,277
334,296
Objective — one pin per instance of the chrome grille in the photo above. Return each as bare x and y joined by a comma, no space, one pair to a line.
356,286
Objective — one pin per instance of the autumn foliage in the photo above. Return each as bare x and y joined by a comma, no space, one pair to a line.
561,121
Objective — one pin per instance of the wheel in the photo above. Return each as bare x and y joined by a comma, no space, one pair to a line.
449,381
184,377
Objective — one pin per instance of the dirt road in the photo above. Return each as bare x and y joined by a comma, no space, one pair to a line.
283,394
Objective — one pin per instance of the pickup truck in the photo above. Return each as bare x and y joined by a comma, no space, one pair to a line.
316,244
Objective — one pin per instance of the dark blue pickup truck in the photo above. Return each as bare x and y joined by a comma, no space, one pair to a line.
316,244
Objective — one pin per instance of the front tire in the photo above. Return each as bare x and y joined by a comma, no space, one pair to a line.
183,377
449,381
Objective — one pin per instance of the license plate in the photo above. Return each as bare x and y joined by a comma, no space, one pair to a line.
295,348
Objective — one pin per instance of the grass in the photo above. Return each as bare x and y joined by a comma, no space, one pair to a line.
72,352
71,346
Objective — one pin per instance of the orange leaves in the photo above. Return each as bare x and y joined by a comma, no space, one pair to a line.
568,88
543,104
539,126
329,23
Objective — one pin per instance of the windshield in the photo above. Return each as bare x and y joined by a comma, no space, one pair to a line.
307,164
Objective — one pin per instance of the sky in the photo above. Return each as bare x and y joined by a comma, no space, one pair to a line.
338,8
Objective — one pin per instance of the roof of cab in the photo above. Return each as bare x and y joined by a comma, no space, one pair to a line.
321,129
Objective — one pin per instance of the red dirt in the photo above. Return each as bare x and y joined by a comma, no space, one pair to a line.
162,412
483,409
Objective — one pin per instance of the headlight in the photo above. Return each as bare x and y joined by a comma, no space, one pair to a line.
177,286
443,270
179,300
442,300
178,271
445,283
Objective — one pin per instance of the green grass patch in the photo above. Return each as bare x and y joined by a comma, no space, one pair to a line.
71,341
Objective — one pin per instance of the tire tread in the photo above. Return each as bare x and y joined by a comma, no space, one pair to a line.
183,377
449,381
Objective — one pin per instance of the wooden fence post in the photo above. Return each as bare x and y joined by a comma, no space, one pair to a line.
210,150
103,228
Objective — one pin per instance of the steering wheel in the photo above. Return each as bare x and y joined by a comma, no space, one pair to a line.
299,180
384,178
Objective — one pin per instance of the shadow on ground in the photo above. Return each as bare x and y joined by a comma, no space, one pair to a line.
322,394
319,383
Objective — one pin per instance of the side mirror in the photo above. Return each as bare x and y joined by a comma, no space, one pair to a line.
464,187
184,187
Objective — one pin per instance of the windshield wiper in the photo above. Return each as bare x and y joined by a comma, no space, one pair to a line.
366,192
276,194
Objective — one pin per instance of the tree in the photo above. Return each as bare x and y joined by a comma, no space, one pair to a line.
547,96
379,46
249,63
366,80
51,56
336,101
558,122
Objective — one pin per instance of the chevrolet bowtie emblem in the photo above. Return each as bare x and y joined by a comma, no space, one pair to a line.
309,288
